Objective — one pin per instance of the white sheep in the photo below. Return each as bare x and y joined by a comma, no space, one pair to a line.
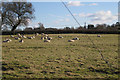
6,40
11,36
19,35
30,37
21,41
33,36
45,37
24,37
36,34
42,38
10,40
46,40
98,35
70,40
76,38
42,34
17,38
49,38
60,37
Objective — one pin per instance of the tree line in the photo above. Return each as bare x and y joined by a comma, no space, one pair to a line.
91,29
15,14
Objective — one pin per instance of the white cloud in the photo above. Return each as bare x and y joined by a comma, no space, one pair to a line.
78,3
84,15
75,3
62,20
93,4
101,17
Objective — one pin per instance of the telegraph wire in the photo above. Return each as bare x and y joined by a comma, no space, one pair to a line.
102,57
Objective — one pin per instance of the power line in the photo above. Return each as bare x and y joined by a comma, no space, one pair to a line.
70,12
102,57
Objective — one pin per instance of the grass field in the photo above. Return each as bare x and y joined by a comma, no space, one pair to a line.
60,58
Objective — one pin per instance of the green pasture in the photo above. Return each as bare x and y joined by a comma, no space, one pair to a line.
61,59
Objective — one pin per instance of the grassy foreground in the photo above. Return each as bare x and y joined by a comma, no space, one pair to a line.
60,58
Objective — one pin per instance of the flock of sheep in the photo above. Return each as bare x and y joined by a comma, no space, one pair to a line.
44,37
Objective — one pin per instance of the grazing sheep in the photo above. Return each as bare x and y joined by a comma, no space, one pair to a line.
60,37
19,35
6,41
36,34
17,38
24,37
42,38
33,36
21,41
9,40
49,38
46,40
76,38
30,37
42,34
45,37
98,35
11,36
70,40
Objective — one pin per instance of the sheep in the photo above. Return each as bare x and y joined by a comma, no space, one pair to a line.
98,35
17,38
11,36
70,40
33,36
45,37
19,35
46,40
42,38
24,37
9,40
60,37
30,37
6,41
42,34
21,41
36,34
49,38
75,38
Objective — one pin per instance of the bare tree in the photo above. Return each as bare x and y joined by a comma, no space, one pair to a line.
16,14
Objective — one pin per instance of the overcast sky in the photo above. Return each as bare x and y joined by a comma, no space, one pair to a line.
54,14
